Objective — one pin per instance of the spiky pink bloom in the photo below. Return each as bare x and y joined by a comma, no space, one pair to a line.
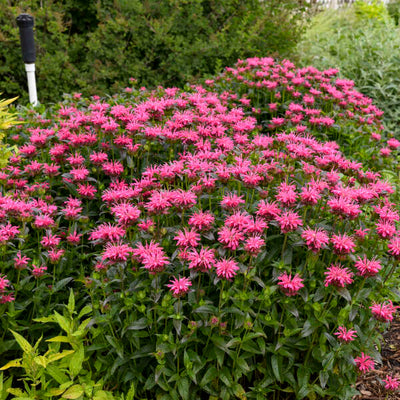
268,210
116,252
391,383
286,194
43,221
125,213
289,221
37,272
187,238
4,283
346,335
201,220
74,238
394,247
315,239
383,312
226,268
50,241
182,199
364,363
232,200
230,237
179,287
20,261
254,244
367,267
385,229
202,260
55,255
107,232
337,275
238,220
152,256
290,285
343,244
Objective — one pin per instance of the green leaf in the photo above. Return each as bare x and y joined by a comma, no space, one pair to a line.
131,393
183,388
59,356
11,364
63,322
85,310
25,346
73,392
75,364
57,374
71,302
275,367
210,374
59,339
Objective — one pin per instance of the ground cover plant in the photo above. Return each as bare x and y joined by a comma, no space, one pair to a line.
198,252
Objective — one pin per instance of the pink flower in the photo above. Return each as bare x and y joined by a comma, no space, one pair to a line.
20,261
201,220
367,267
346,335
152,256
394,246
230,237
187,238
107,232
383,312
254,244
74,238
338,276
343,244
38,271
179,287
268,210
290,286
4,283
286,194
289,221
116,252
125,213
315,239
231,200
391,383
364,363
226,268
385,229
202,260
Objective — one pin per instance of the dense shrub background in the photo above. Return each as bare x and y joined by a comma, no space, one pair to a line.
363,42
93,46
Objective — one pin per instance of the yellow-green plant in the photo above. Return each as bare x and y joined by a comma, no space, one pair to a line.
56,373
7,119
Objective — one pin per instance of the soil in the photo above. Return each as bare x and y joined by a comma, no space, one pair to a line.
370,384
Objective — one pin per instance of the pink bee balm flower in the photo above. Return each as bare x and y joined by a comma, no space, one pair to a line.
364,363
289,221
74,238
315,239
202,260
391,383
179,287
383,312
345,335
38,271
4,283
116,252
343,244
230,237
385,229
253,245
226,268
338,276
232,200
367,267
187,238
394,247
201,220
290,286
20,261
152,256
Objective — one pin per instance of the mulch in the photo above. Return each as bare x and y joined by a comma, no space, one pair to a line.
370,384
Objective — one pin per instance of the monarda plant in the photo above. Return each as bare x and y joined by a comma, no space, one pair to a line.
284,97
220,261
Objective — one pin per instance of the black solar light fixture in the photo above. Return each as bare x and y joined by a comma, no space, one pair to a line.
25,23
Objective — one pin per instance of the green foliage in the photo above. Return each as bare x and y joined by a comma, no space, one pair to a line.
366,52
90,48
393,8
375,9
7,119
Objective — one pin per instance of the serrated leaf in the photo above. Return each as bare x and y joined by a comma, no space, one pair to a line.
63,322
73,392
58,356
23,343
57,375
85,310
71,302
59,339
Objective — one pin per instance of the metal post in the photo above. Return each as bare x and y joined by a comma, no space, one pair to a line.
25,23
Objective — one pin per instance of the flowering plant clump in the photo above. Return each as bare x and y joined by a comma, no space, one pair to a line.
284,97
219,259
